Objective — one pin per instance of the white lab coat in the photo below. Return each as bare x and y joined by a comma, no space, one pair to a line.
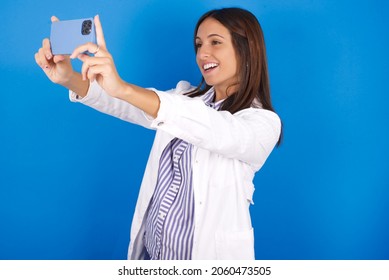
227,151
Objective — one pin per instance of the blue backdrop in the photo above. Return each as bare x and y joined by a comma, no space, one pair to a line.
69,176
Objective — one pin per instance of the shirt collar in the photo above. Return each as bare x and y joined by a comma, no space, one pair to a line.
208,98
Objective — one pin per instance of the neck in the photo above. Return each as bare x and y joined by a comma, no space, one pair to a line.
224,92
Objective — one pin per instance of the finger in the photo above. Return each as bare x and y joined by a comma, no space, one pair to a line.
94,60
99,33
59,58
84,70
91,77
54,18
88,62
49,55
94,71
38,61
47,48
93,66
41,59
88,47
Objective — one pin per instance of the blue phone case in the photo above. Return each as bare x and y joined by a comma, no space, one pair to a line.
66,35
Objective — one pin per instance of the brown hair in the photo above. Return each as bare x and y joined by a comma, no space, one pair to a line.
248,41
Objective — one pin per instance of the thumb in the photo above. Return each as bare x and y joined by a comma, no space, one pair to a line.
54,18
58,58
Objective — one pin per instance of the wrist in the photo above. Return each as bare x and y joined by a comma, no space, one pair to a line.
124,91
144,99
75,83
68,80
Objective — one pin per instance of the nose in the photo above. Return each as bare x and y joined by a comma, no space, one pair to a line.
203,52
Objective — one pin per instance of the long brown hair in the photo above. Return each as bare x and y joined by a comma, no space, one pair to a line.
249,43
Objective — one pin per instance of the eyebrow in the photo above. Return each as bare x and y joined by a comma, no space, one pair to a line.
211,35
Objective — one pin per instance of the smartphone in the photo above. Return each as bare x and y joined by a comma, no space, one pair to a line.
66,35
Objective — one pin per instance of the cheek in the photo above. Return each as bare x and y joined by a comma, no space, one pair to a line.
232,61
236,65
198,61
233,66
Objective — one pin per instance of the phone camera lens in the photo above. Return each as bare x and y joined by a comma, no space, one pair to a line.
86,27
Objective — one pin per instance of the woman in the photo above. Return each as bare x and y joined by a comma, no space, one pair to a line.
197,188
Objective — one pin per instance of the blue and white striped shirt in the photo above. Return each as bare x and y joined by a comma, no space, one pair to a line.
170,217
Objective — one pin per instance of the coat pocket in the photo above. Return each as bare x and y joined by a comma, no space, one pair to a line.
236,245
249,192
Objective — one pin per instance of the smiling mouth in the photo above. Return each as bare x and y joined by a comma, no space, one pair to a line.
209,66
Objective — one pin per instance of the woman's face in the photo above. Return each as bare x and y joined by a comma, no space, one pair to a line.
216,56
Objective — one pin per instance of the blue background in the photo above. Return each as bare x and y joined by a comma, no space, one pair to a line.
69,176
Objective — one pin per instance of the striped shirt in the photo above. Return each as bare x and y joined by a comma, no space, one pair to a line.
170,217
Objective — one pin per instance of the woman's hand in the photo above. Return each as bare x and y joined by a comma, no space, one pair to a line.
56,67
99,67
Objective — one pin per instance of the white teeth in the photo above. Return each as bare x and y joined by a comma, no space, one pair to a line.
209,65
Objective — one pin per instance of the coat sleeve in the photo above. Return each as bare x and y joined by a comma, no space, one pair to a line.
249,135
99,100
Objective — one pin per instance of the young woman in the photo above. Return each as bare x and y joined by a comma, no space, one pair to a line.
210,141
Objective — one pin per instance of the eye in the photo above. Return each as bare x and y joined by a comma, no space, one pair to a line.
198,45
216,42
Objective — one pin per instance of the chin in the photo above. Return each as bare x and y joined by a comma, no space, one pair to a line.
209,82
